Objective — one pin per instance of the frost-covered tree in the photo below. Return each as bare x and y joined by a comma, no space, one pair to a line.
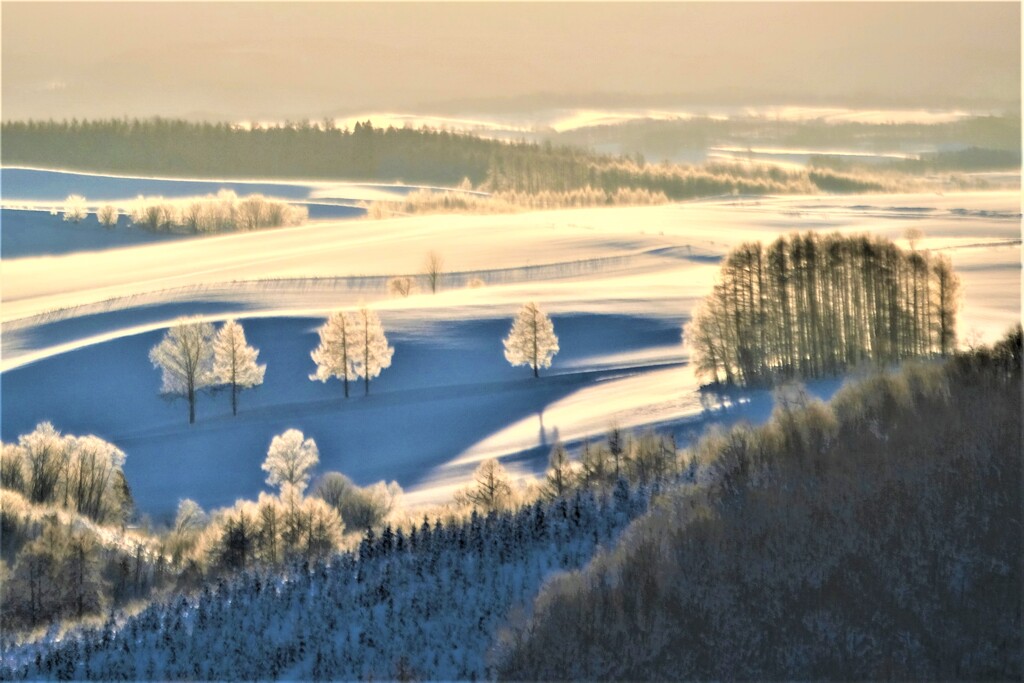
185,355
336,354
372,352
490,488
359,507
532,340
92,476
234,362
290,460
79,473
107,215
74,209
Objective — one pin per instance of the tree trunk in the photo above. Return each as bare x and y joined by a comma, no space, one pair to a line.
234,399
535,360
191,405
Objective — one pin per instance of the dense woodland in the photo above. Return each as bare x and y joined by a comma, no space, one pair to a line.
180,148
875,538
816,304
423,602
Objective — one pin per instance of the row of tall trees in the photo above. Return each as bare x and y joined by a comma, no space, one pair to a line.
817,304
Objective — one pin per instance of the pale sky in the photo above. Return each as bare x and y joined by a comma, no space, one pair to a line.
307,60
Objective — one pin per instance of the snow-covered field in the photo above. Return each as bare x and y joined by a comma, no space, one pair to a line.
619,283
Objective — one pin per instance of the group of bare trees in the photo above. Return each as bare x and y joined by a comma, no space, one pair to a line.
813,305
81,474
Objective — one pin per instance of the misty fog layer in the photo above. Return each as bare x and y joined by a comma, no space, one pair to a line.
241,60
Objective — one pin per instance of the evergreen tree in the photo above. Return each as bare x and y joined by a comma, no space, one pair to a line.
559,474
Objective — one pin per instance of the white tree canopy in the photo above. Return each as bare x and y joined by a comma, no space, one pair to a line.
532,340
335,356
234,362
373,353
290,460
185,355
75,210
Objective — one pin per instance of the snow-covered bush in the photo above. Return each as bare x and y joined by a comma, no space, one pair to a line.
107,215
75,210
360,508
223,212
80,473
401,286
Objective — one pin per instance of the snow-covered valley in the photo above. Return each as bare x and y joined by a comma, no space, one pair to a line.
619,283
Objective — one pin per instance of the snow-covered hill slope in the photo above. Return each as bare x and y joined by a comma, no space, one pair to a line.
619,282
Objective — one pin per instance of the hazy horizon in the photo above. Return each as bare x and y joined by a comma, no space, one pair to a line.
291,60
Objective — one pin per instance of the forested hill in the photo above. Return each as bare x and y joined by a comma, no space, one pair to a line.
180,148
877,537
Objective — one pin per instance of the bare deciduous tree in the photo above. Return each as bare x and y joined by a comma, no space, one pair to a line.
433,268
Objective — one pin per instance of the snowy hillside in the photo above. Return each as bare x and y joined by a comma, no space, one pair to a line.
618,282
427,603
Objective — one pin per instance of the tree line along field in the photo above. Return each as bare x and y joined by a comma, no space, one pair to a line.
170,147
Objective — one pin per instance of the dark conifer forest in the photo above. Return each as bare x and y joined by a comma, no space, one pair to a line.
367,153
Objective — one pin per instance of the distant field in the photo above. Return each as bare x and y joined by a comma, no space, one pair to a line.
30,196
